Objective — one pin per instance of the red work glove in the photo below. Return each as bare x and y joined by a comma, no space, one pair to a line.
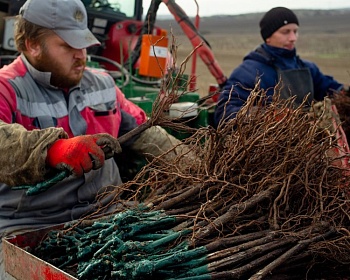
81,154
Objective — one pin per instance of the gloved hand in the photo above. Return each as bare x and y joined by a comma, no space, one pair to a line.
81,154
323,113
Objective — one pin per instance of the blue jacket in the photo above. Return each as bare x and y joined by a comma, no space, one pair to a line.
257,65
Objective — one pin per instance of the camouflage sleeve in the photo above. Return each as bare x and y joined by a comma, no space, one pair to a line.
23,153
155,141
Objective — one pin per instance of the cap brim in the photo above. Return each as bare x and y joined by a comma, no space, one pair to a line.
78,39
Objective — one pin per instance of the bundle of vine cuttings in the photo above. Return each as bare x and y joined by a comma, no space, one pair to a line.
266,195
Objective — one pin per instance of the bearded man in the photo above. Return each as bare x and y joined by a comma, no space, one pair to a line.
57,114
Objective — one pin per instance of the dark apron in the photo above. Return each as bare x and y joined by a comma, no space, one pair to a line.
296,82
293,81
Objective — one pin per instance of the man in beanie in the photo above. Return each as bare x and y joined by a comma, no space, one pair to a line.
58,115
275,62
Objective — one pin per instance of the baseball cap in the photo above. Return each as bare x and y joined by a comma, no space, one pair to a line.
67,18
274,19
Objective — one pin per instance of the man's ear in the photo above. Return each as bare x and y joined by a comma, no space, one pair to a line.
33,48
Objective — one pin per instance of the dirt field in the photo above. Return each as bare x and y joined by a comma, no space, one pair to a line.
324,39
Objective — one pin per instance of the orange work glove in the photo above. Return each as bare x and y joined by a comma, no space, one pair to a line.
81,154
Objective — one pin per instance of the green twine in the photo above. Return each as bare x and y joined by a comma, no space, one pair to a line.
43,186
129,245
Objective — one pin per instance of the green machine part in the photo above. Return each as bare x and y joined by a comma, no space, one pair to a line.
144,95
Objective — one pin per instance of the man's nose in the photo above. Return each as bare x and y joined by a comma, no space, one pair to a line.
79,53
293,36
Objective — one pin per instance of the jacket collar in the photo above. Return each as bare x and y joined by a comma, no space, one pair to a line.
42,78
280,52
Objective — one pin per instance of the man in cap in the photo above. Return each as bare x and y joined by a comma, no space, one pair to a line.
56,114
275,62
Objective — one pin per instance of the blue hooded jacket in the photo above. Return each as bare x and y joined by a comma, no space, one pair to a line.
262,65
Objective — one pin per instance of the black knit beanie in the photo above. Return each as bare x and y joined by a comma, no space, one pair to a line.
275,19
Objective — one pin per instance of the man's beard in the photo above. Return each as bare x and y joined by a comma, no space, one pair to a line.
48,63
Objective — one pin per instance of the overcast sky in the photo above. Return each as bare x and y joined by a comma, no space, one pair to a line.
233,7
